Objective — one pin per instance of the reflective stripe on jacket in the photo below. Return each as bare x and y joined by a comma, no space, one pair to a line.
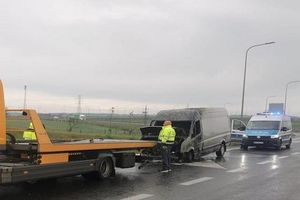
167,134
29,135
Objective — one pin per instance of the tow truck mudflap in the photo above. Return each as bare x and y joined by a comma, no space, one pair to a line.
5,175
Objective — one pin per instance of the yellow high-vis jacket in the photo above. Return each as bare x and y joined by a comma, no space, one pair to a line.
29,134
167,134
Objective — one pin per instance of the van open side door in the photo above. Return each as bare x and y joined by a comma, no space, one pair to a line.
238,128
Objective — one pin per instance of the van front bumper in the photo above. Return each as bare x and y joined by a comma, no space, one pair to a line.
265,141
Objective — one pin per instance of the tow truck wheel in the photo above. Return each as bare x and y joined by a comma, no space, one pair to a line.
288,146
106,168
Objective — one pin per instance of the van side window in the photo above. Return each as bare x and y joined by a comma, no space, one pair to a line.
197,129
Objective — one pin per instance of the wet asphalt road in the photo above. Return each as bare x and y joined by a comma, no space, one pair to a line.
241,175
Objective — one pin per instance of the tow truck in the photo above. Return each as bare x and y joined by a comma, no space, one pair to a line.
25,161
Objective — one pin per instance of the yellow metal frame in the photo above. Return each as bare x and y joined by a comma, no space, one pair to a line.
2,119
60,152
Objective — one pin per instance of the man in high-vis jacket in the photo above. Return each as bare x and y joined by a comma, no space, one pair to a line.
166,140
29,133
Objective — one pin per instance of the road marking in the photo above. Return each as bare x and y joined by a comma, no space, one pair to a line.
232,149
271,161
206,163
295,153
296,142
296,139
282,157
264,162
138,197
237,170
199,180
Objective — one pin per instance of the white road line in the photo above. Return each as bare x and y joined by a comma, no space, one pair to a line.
271,161
282,157
295,153
236,170
199,180
139,197
232,149
206,163
264,162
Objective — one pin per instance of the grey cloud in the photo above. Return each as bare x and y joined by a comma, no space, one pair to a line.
171,52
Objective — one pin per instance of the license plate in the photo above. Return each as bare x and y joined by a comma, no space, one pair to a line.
257,142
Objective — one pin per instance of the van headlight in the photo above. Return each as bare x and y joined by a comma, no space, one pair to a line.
245,136
274,136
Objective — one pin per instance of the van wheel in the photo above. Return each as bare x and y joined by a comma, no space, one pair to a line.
288,146
279,146
221,151
189,156
106,168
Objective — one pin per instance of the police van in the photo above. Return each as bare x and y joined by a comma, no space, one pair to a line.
268,130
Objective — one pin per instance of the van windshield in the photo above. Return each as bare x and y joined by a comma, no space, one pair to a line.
185,125
263,125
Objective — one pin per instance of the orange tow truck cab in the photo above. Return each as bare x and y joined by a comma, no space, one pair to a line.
22,160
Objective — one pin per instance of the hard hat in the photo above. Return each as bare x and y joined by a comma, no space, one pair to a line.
166,123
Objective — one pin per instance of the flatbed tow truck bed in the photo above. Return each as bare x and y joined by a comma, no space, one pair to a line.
22,161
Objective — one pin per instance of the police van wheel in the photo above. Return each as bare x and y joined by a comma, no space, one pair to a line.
244,147
288,146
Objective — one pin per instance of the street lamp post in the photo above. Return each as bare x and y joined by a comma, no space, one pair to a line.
286,90
245,71
267,100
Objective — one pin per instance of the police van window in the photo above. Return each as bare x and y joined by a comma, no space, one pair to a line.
263,125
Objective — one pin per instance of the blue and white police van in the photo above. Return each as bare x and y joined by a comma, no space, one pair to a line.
268,130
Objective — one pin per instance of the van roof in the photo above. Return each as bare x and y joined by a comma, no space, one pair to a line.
268,117
186,114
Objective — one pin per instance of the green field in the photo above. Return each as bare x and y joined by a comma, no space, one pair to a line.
81,129
93,128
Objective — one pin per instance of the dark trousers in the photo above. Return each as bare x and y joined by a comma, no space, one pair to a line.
166,155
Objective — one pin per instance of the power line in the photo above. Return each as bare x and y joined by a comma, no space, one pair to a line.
79,105
145,115
25,97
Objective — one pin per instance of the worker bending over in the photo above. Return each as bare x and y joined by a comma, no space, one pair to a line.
166,140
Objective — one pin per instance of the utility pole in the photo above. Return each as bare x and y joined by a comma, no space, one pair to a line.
130,117
245,71
111,117
145,115
25,97
79,105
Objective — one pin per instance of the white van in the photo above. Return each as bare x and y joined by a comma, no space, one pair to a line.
199,131
268,130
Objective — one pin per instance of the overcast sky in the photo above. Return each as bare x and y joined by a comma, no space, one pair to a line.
160,53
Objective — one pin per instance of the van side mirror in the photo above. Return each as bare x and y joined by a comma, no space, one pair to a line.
284,129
